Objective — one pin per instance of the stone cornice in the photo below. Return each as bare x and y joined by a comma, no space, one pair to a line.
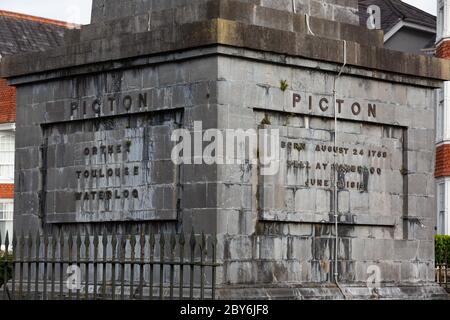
173,38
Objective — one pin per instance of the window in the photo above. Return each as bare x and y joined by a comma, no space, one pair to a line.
7,146
442,212
443,21
442,114
6,218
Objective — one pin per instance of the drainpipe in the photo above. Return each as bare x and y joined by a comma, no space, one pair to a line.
336,175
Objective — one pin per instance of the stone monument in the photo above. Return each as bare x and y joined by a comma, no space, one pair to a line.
96,120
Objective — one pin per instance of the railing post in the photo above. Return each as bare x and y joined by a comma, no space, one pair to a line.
162,243
202,267
181,242
29,260
14,255
214,268
105,247
6,276
78,259
123,245
61,265
87,256
132,264
37,265
54,244
141,263
152,242
5,266
22,259
173,243
192,244
96,242
45,265
113,264
70,248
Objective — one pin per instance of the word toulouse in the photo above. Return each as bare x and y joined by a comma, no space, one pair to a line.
106,173
323,104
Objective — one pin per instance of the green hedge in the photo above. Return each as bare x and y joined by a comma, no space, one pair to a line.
4,257
442,244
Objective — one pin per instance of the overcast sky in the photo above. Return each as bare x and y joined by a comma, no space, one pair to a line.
79,11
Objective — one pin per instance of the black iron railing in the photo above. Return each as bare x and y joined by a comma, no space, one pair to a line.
109,267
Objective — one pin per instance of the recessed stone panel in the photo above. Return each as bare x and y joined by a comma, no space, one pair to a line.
368,165
111,170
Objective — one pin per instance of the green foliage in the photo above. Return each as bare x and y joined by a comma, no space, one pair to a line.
442,244
5,262
266,121
284,85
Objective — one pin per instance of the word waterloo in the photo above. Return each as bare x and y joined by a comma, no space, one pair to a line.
107,173
139,102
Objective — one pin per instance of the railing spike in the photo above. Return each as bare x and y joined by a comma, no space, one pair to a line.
61,239
22,244
162,240
54,239
7,240
173,241
203,240
142,240
30,240
46,241
193,240
96,240
70,242
182,240
14,240
87,240
105,238
204,244
78,239
123,242
152,240
114,239
133,240
1,239
38,239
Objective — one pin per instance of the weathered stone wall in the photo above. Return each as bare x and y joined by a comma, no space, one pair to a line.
276,232
293,237
338,10
52,157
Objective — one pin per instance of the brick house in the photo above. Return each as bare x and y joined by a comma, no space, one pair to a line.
410,29
443,123
19,33
406,28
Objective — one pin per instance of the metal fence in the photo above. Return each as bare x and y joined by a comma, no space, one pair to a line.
109,267
443,275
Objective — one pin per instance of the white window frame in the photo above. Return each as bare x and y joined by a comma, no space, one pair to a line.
443,113
443,21
442,206
10,133
7,218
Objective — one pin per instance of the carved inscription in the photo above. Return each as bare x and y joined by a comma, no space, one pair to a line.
103,153
349,162
116,169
